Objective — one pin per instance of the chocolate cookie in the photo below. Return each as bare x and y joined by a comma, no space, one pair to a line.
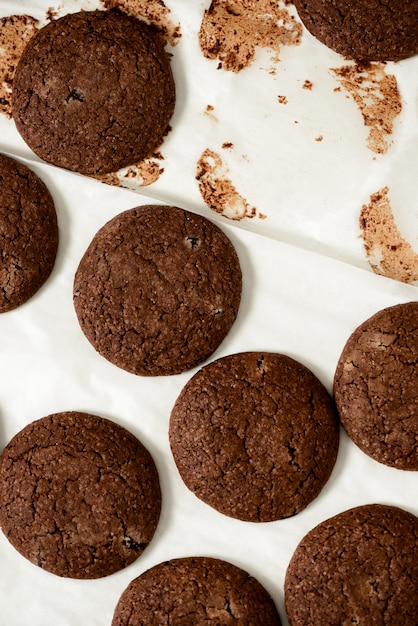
157,290
79,495
359,567
255,436
195,590
28,233
375,386
93,92
366,30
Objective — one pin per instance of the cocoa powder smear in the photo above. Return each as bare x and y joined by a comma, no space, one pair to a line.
153,11
218,191
231,30
15,32
377,96
387,251
143,173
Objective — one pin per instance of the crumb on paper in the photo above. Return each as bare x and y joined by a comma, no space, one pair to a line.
51,14
15,33
232,30
319,138
308,84
140,174
218,191
227,145
377,96
154,12
387,251
282,99
209,112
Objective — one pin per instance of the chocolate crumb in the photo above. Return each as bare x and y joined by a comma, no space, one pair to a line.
154,12
377,96
144,173
232,30
218,191
15,32
388,253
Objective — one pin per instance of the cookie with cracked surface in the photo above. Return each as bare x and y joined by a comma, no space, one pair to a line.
375,386
255,436
366,30
196,590
93,92
157,290
358,567
28,233
79,495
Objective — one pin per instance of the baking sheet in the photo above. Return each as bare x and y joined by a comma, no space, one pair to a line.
307,284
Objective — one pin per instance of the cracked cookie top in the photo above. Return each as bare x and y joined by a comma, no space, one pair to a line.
365,30
255,436
196,590
28,233
157,290
93,92
79,495
376,386
358,567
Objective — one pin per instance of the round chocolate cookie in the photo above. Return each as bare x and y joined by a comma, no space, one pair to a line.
359,567
195,590
157,290
376,383
28,233
93,92
79,495
366,30
255,436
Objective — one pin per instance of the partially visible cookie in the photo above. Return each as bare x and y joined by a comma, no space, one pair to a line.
157,290
255,436
376,383
93,92
358,567
366,30
195,590
28,233
79,495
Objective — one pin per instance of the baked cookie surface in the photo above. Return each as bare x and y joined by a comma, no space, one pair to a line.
157,290
255,436
365,30
28,233
195,590
93,92
79,495
358,567
375,386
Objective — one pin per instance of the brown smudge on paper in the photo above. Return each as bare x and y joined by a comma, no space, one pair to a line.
377,96
231,30
387,251
282,99
307,85
209,112
15,32
143,174
218,191
153,11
